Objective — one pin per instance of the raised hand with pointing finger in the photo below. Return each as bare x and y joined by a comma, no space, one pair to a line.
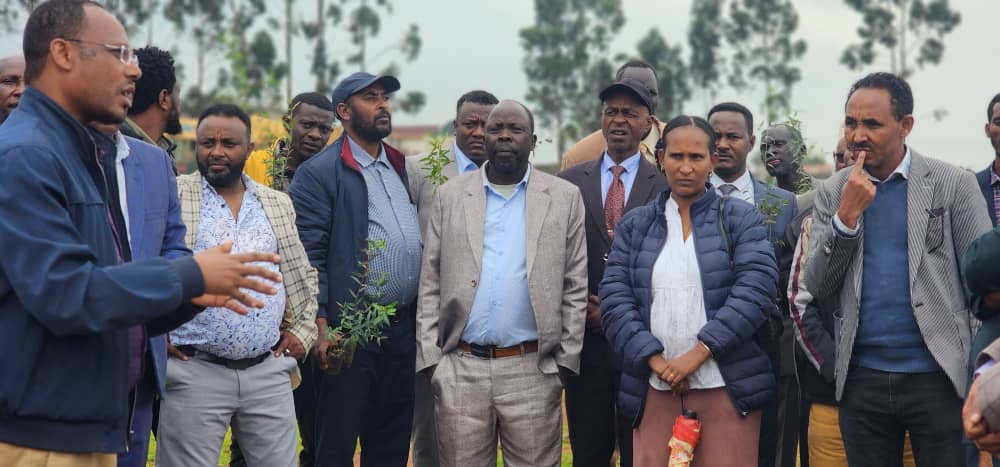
858,193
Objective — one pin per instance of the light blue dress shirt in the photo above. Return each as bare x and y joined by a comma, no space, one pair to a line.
628,176
501,312
219,331
393,219
462,161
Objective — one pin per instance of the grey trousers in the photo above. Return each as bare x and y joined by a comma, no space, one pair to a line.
204,399
424,451
478,401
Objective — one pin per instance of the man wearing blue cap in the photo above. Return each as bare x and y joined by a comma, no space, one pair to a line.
352,192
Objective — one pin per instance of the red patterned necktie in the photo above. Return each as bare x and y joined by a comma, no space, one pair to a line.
614,203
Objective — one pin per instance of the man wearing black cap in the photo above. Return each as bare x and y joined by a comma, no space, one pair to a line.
352,192
619,180
591,147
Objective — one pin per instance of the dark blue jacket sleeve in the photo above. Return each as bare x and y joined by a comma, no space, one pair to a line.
752,295
624,327
54,273
314,219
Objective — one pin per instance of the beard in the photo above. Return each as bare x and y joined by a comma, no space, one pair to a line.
174,123
224,179
373,131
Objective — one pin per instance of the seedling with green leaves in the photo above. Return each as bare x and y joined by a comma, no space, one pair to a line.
363,318
435,160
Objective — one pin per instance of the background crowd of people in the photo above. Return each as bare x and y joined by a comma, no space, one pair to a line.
848,321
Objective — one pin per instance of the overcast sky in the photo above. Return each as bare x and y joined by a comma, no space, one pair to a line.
475,44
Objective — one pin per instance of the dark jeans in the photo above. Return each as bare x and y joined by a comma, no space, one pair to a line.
592,409
305,413
878,408
372,400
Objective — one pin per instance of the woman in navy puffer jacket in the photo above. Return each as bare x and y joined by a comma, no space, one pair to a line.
681,300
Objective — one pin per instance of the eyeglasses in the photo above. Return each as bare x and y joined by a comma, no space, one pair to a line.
838,156
125,53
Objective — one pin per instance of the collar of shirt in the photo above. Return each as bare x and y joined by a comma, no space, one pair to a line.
462,161
743,184
248,183
363,158
631,164
903,169
994,178
520,185
121,146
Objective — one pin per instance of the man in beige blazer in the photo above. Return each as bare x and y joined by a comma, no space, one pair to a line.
468,152
501,311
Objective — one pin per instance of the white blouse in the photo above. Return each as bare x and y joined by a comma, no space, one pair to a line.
678,310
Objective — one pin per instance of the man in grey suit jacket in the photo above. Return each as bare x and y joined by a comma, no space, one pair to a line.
887,241
614,183
467,154
500,317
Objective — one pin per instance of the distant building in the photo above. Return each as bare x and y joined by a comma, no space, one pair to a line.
415,139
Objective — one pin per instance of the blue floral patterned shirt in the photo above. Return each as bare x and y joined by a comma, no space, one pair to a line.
220,331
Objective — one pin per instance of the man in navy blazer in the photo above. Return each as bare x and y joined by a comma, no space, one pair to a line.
154,229
733,125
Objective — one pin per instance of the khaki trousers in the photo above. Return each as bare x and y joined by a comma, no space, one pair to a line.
480,401
17,456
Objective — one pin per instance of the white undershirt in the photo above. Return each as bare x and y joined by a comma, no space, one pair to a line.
677,313
122,153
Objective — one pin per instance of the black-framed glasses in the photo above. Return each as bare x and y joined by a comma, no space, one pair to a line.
838,156
126,54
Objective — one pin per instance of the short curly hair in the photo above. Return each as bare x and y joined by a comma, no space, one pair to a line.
157,74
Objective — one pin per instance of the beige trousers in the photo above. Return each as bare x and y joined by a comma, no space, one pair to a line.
11,455
480,401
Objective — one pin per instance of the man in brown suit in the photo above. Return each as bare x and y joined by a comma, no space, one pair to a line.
592,146
500,316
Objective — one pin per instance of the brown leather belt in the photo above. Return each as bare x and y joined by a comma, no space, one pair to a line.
492,351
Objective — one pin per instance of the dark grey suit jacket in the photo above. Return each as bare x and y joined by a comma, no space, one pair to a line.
649,182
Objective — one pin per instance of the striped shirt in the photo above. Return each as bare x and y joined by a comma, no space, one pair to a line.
392,218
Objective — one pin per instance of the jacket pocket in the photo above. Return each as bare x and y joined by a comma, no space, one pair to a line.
935,229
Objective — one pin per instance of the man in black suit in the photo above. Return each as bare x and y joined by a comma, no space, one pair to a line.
611,185
989,178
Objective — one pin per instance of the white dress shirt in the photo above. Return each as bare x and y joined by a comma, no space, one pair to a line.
121,146
677,313
744,186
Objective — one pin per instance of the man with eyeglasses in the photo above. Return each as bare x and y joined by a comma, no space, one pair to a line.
620,180
75,310
354,191
11,84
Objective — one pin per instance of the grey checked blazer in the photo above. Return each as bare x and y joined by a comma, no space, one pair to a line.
299,277
556,253
945,213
